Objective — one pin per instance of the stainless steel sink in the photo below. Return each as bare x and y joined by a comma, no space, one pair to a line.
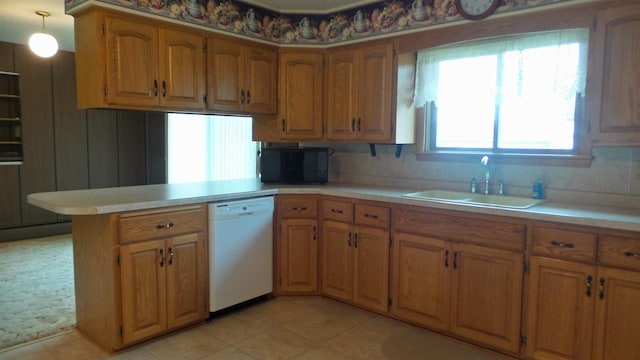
456,197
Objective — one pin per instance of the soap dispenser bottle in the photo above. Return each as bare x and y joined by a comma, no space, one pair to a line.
538,189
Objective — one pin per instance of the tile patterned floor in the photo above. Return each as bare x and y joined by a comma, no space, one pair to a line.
301,328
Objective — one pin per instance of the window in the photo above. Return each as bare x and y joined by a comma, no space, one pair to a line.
517,94
204,148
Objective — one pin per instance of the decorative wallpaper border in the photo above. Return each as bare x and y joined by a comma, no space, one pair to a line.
384,17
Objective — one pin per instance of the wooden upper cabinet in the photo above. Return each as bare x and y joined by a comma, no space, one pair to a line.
130,62
130,80
360,94
182,65
301,94
615,87
241,77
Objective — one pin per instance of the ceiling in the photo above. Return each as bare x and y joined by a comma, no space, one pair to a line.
18,19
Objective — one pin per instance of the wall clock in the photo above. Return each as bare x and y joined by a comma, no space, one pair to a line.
476,9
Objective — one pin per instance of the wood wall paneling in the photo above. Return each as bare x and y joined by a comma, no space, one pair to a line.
38,172
9,174
132,148
156,148
102,135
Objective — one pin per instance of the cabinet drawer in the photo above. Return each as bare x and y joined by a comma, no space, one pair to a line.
481,231
297,207
566,244
372,215
337,210
162,223
619,252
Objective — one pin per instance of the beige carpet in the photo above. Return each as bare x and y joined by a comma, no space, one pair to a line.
37,295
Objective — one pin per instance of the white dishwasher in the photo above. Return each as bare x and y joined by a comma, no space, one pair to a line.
240,251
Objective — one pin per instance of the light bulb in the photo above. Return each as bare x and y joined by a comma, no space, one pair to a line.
43,45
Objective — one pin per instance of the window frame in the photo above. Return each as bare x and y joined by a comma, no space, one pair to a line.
570,17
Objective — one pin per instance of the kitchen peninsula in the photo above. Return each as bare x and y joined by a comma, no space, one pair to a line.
491,256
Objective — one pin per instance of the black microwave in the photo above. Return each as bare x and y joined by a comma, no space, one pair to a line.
294,165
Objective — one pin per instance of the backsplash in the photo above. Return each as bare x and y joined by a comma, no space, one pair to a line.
613,178
381,18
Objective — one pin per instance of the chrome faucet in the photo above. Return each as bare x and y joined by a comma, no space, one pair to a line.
487,173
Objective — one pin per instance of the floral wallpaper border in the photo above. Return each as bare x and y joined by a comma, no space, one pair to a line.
381,18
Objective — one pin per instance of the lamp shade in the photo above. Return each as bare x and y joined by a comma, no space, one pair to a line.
43,45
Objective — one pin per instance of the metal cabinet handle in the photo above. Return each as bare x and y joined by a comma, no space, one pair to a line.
161,257
155,87
349,240
284,125
164,226
371,216
164,88
314,233
337,211
601,290
248,97
353,124
455,259
355,241
171,256
299,209
242,96
589,284
446,258
359,121
562,245
632,254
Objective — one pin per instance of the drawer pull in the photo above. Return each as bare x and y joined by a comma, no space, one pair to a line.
455,259
355,240
601,291
349,240
589,284
337,211
633,255
315,235
161,257
562,245
299,209
164,226
446,258
371,216
171,255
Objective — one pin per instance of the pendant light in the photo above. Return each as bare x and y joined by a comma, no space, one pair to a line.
42,44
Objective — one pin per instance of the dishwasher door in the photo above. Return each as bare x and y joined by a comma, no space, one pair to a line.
240,251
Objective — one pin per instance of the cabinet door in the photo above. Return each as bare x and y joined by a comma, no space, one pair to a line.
421,277
617,120
301,96
617,315
130,80
186,280
371,268
261,82
144,293
342,92
560,309
225,75
487,295
337,259
298,250
181,66
375,93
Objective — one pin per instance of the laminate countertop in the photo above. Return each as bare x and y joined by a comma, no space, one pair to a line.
113,200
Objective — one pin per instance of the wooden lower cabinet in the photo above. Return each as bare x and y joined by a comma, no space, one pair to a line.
560,305
133,284
162,285
298,256
421,280
617,316
355,263
471,291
